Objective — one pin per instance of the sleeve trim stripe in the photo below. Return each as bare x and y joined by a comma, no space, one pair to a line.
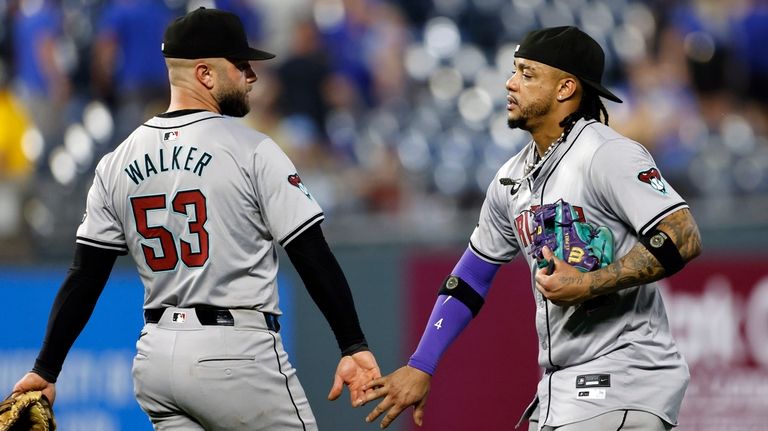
100,244
654,221
312,220
485,257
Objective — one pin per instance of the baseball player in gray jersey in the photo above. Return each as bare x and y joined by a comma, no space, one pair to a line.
200,201
608,359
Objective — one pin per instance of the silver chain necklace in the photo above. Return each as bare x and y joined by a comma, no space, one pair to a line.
530,167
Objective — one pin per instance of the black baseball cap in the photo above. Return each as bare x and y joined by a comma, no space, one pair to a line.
209,33
570,50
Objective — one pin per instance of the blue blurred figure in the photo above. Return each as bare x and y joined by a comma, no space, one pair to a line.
249,15
128,69
40,81
349,43
750,33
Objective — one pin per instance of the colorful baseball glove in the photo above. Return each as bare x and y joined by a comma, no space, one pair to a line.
29,411
580,244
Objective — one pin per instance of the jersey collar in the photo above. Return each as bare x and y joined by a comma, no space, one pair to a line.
179,113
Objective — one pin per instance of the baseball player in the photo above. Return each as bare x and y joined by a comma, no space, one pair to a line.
200,202
608,359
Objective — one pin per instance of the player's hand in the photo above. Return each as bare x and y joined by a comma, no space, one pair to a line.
354,371
403,388
33,382
566,285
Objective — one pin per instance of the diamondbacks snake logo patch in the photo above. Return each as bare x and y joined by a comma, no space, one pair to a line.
653,177
295,181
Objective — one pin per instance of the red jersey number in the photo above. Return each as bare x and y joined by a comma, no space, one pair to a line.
170,256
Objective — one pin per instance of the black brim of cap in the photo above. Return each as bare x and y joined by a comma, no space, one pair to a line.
602,90
252,54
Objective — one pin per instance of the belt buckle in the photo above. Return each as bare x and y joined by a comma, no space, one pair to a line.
224,318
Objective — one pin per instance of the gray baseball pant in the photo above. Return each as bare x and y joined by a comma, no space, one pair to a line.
194,377
618,420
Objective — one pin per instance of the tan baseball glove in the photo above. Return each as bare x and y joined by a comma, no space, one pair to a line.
28,411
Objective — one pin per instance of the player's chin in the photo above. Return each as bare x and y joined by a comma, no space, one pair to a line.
515,121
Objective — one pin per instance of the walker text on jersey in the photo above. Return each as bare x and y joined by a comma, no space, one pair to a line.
177,158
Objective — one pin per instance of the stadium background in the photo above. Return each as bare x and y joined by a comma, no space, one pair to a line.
393,112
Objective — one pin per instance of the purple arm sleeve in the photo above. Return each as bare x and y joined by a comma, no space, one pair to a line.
450,316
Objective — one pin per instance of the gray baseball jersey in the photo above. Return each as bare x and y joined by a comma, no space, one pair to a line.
616,351
199,202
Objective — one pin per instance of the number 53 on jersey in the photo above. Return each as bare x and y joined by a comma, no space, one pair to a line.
188,203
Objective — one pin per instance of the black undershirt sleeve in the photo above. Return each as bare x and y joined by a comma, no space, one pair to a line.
73,306
328,287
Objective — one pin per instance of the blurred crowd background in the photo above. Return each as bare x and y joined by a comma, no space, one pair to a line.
393,111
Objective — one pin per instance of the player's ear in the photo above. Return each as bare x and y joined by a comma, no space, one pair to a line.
204,73
566,87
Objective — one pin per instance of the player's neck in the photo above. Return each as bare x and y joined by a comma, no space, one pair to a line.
545,138
181,100
548,129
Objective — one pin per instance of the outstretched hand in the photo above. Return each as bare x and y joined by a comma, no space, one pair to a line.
565,285
354,371
33,382
405,387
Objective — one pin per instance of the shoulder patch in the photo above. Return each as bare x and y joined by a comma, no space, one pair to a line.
295,181
652,177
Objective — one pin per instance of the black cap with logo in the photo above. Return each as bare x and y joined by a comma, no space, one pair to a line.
209,33
570,50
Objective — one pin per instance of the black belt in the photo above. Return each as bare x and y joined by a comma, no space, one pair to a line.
211,316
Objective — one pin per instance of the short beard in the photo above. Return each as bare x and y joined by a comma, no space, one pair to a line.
233,103
517,123
534,110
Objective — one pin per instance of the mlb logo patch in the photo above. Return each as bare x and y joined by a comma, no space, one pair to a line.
171,136
179,317
592,394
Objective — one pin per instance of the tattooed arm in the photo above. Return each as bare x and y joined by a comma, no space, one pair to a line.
567,285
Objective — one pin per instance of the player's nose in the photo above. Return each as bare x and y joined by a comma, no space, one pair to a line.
250,75
511,84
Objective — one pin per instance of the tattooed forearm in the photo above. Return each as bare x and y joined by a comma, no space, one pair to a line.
684,232
639,266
